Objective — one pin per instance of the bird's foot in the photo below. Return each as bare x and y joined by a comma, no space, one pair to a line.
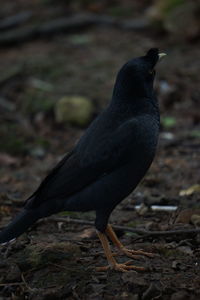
123,267
135,254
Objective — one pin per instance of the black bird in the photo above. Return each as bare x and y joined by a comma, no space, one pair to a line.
107,163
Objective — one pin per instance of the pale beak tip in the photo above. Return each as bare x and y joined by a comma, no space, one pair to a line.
161,55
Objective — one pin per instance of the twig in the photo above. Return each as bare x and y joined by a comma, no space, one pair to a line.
12,283
26,284
15,20
84,222
68,25
170,232
142,232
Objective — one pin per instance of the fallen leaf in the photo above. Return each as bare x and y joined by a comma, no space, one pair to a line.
186,250
151,292
195,219
175,265
191,190
87,233
180,295
185,215
5,210
142,210
7,160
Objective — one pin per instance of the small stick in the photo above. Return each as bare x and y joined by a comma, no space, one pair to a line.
68,25
145,233
84,222
15,20
12,283
26,284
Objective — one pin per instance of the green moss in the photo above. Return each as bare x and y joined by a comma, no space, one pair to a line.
171,252
119,11
12,139
132,223
41,141
132,234
67,273
14,146
69,214
46,67
41,255
89,215
169,5
168,122
17,141
35,101
194,133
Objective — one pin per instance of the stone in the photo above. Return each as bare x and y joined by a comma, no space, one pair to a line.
172,14
75,110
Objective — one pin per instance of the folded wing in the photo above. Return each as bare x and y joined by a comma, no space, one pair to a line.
79,169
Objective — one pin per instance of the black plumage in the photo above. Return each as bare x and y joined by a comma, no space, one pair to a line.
109,160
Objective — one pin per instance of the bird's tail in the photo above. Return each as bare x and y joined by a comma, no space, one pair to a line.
19,225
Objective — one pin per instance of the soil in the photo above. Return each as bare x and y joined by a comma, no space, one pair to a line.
57,260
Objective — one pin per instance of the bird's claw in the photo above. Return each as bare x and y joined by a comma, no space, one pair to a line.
135,254
123,267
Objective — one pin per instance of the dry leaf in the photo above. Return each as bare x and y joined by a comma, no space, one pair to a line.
8,160
191,190
185,215
195,219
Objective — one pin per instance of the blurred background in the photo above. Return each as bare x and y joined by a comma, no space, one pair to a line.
58,62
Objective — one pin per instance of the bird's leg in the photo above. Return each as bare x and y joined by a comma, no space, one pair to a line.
112,264
130,253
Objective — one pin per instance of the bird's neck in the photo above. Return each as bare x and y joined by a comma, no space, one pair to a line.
137,97
135,105
127,88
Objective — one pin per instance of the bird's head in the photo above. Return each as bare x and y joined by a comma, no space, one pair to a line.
136,77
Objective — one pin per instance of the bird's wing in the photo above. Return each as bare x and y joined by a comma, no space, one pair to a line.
77,170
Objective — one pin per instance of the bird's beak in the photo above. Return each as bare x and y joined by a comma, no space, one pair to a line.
160,55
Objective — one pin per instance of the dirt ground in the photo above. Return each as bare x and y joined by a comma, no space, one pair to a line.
57,259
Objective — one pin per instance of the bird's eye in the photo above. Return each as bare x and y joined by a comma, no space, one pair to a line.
151,72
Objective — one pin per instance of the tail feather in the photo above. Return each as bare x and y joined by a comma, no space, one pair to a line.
21,222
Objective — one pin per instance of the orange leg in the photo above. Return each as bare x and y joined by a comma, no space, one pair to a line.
112,264
130,253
